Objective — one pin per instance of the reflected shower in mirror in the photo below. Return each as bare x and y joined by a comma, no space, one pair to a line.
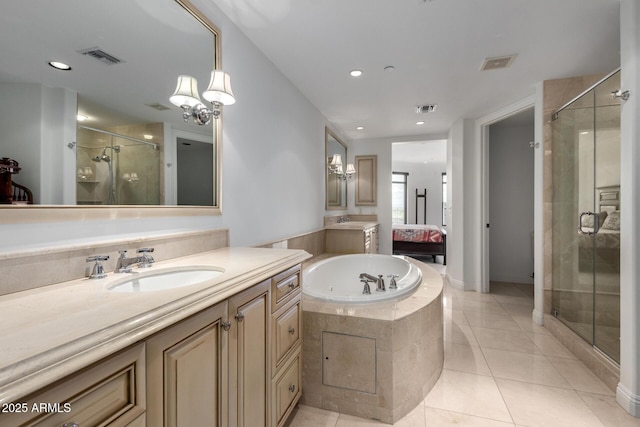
124,59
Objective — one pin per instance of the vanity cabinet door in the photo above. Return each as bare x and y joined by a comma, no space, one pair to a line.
110,392
249,356
187,372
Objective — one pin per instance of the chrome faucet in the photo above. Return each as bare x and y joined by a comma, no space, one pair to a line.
393,284
143,260
98,270
379,281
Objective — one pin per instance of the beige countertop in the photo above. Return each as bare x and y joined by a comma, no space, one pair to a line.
351,225
52,331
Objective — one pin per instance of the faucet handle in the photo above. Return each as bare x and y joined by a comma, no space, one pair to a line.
122,253
148,259
98,269
392,283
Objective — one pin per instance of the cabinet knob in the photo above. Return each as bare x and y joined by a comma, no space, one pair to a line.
292,330
226,325
292,285
239,317
292,388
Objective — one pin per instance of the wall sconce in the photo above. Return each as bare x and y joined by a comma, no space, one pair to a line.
350,173
218,93
335,166
335,163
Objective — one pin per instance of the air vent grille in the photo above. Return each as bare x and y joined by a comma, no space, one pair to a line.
100,55
158,106
497,63
428,108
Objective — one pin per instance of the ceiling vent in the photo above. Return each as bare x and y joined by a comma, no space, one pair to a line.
428,108
497,63
100,55
158,106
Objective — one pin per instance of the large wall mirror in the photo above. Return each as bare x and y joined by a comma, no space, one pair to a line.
132,147
336,162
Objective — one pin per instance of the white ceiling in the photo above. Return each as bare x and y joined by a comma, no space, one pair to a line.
425,152
436,47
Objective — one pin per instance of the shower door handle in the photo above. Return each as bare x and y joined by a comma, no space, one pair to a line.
596,223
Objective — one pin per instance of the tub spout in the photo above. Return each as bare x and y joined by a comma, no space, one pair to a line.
379,281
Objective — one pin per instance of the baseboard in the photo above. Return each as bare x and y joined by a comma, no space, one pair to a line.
630,402
457,284
537,317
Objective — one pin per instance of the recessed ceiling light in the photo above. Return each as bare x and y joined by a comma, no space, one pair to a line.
584,133
60,65
420,122
81,117
355,73
389,68
360,128
147,136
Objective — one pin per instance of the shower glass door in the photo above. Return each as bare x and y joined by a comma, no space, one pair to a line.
585,215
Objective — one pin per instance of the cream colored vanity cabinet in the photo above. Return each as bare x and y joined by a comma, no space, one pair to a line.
352,239
187,372
286,361
110,392
249,345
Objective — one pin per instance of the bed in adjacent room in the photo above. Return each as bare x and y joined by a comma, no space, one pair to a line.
418,239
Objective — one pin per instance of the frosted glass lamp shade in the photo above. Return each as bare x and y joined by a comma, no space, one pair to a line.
186,92
219,90
350,169
336,160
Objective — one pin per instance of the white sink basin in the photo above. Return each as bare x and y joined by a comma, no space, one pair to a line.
160,280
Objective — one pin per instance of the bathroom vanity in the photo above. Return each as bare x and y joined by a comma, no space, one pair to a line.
352,237
225,352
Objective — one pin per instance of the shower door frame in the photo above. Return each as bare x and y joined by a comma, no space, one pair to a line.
593,333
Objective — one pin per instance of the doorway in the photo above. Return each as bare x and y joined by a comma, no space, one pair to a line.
511,199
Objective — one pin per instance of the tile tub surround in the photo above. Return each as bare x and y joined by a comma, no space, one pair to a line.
408,353
53,331
32,268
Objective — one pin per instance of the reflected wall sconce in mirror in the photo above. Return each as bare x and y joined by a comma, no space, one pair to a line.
335,166
219,93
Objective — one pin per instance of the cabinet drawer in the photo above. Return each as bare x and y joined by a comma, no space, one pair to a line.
111,392
283,286
287,326
287,389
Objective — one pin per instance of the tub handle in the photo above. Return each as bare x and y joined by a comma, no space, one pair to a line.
392,283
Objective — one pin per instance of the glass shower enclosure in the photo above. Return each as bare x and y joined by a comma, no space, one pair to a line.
586,216
116,169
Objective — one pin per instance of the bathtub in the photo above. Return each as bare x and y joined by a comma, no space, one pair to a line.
372,356
337,279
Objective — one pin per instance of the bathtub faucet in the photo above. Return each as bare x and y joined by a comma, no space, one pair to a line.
379,281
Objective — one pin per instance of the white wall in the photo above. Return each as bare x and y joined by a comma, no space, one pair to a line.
628,391
423,176
272,162
511,203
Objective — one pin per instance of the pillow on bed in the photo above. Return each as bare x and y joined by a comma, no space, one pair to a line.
588,220
613,221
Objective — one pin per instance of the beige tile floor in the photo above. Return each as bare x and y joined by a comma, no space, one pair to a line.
500,369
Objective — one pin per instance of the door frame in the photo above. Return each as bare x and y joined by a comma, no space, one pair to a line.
482,139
